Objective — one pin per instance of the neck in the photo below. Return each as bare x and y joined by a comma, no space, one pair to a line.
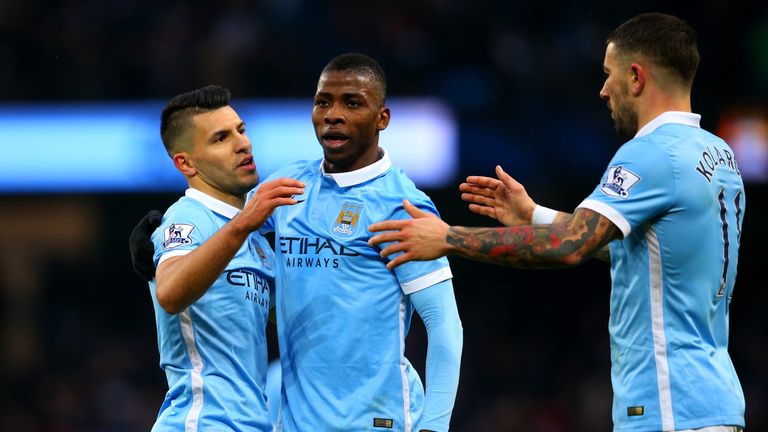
235,200
660,103
369,157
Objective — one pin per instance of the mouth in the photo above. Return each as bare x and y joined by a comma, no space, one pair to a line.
247,163
334,139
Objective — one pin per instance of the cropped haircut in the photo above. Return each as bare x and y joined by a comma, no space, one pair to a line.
361,64
666,40
177,114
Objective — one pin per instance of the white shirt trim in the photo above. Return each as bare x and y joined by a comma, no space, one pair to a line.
196,376
404,370
609,212
427,280
212,203
171,254
656,283
351,178
680,117
715,429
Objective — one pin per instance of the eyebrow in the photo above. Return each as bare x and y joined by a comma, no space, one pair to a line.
343,95
225,132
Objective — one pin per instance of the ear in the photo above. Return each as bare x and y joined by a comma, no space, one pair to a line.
184,164
383,120
638,76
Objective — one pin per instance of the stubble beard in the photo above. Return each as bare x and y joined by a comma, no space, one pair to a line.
624,116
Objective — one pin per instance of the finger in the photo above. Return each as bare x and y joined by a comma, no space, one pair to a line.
277,202
392,249
414,211
482,210
283,191
285,181
508,181
388,225
400,259
466,187
154,218
478,199
384,238
488,182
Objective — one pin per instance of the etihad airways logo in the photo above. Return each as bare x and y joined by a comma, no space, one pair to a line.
313,252
256,287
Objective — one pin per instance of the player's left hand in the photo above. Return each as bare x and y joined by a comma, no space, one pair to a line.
422,238
502,198
140,242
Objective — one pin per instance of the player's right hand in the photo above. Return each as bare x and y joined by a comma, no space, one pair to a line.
267,197
140,242
503,199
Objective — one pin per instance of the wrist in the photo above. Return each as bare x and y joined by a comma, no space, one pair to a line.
543,215
238,227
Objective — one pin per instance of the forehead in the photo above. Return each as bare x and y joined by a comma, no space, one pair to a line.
346,82
212,121
613,57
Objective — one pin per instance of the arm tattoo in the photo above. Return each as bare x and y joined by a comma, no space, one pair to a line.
564,243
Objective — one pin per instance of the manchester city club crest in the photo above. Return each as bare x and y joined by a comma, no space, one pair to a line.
347,220
620,181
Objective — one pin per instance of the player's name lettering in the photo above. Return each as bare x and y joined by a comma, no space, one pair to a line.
260,299
247,278
712,158
313,246
312,262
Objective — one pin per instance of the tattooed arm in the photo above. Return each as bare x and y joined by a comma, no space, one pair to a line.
603,254
568,242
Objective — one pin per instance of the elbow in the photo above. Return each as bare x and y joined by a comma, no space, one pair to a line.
168,302
574,259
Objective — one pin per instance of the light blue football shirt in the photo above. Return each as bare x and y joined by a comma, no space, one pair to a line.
676,194
342,315
214,353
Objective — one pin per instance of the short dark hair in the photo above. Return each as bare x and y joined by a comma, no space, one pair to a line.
663,39
361,64
177,114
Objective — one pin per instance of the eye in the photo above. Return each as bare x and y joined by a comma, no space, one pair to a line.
322,103
353,104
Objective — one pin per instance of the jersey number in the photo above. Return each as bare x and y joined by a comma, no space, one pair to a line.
726,240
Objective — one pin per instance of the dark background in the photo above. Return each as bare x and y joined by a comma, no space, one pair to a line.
78,337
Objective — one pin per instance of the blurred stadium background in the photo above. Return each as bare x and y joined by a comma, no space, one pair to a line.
519,82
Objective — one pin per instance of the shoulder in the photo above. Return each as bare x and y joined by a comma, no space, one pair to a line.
650,152
394,187
189,214
297,169
187,208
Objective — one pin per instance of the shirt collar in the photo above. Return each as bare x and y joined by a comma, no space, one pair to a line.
361,175
212,203
679,117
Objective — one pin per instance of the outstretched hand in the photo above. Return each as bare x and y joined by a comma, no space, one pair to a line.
267,198
422,238
142,249
503,199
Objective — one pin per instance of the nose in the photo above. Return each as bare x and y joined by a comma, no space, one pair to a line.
334,115
604,93
243,144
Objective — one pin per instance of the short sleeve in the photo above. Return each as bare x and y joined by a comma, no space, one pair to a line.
182,230
416,275
638,185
